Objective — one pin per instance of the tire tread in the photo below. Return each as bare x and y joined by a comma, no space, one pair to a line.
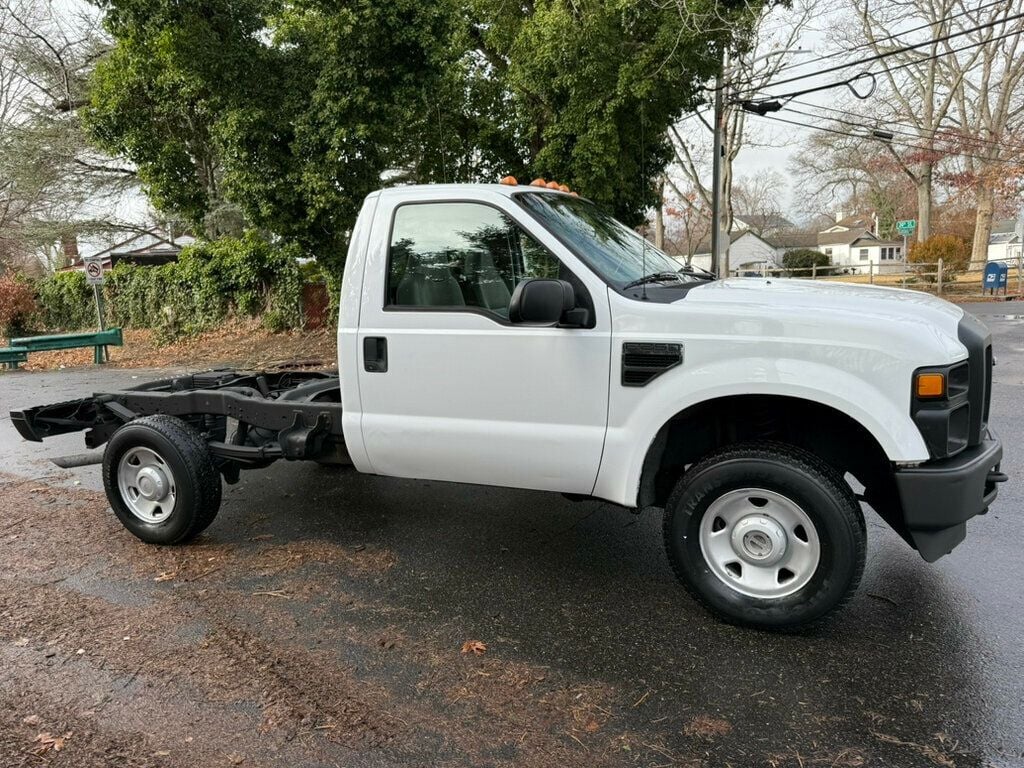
799,458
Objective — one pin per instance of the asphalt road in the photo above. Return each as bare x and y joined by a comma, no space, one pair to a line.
923,669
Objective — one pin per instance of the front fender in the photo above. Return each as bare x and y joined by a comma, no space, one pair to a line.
637,415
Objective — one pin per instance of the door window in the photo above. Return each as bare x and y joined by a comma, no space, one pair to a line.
461,255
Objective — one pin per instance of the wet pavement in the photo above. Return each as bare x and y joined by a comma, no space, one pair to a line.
925,667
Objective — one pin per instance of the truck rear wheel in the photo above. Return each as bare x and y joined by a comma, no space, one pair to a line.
766,535
160,480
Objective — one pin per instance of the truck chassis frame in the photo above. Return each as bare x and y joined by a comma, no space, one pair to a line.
293,415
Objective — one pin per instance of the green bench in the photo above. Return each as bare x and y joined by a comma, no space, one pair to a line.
99,340
11,356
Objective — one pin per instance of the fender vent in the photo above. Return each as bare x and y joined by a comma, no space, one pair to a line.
642,363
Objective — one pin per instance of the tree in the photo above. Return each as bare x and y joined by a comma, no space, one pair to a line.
53,183
854,174
295,112
990,107
688,223
745,71
758,196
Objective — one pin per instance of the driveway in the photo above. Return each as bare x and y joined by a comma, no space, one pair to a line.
322,621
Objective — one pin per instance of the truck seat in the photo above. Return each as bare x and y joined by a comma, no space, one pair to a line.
429,285
485,282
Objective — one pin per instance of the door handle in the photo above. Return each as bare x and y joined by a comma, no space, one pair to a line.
375,354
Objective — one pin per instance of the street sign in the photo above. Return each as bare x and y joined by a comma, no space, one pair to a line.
906,227
93,270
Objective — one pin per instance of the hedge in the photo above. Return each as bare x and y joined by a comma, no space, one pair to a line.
244,276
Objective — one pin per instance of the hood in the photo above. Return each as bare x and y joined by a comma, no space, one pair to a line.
886,304
817,308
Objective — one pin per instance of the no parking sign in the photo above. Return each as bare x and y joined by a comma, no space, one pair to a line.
93,270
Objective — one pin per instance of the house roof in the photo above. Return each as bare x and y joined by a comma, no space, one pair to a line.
704,246
843,237
872,241
1002,238
857,221
790,240
1003,226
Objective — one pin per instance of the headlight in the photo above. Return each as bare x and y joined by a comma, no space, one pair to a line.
940,407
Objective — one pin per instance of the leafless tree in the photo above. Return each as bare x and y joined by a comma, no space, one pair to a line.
53,184
758,196
778,31
990,112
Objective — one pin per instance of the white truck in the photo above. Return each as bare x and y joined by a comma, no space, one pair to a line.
517,336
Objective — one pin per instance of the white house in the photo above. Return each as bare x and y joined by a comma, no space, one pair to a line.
1004,244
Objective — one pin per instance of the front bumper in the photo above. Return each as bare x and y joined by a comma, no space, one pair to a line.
939,497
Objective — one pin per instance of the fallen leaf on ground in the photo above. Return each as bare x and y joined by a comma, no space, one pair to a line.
475,647
47,741
165,576
31,720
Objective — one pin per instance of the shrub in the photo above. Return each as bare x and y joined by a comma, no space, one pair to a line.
954,252
66,302
804,259
210,281
17,305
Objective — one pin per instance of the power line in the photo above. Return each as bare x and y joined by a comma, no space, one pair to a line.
912,133
849,135
850,80
892,36
904,49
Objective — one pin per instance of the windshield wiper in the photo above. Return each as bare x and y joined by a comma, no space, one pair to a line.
655,277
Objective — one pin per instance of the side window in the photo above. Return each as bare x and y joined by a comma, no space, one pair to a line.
460,255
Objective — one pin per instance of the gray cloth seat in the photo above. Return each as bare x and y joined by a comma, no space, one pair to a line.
485,282
429,285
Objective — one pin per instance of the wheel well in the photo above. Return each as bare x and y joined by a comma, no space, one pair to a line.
831,434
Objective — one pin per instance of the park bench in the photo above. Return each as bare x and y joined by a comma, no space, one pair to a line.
99,340
11,356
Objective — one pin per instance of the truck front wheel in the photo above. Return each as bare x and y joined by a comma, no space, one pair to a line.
160,480
766,535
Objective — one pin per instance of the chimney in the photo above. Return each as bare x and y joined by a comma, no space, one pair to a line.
69,244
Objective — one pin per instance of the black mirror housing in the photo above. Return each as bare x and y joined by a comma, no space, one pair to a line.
541,301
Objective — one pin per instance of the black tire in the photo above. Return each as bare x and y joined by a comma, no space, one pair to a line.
190,472
814,486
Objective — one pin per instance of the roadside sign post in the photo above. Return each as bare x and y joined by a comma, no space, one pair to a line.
906,228
95,276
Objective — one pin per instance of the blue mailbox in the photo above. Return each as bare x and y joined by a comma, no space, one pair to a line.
995,276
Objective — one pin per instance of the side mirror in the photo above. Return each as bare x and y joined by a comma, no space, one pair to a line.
541,301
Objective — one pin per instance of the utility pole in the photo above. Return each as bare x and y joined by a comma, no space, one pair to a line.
719,265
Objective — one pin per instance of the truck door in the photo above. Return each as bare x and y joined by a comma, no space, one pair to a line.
449,389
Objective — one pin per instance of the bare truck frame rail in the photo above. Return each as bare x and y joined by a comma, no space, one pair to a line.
293,415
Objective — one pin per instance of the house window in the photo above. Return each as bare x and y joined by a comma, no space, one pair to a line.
828,252
863,254
899,251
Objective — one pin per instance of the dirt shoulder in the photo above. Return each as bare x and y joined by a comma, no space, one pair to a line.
245,344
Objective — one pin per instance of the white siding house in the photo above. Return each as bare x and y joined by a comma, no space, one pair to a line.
1004,244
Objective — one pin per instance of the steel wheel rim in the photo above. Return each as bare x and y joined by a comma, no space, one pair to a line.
146,485
760,543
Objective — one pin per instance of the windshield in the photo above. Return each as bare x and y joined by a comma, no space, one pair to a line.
613,250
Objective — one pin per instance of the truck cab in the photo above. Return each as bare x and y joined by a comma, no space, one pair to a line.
518,336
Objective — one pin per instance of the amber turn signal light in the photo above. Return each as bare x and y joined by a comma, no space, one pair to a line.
930,385
538,183
509,181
